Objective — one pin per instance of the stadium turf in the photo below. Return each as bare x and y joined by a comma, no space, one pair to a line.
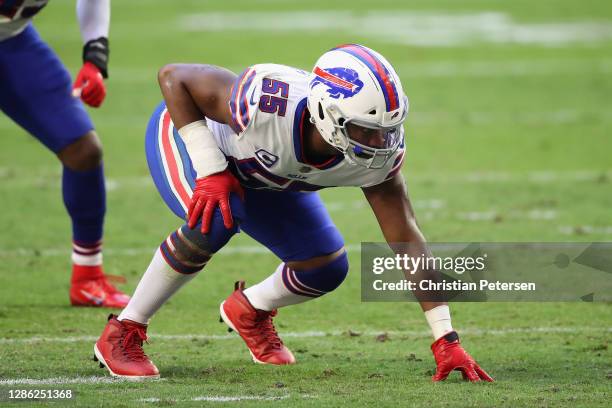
508,139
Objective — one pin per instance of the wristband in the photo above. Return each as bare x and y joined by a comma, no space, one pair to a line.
439,321
96,51
206,157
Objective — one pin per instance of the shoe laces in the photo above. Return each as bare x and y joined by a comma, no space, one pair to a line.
266,328
132,340
109,287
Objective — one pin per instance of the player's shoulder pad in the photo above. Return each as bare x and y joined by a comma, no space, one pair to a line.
246,91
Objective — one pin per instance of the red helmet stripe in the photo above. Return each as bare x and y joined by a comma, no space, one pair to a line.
379,70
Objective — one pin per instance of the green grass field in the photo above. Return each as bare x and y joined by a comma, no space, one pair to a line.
508,139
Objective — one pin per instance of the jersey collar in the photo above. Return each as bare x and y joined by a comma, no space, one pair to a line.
298,140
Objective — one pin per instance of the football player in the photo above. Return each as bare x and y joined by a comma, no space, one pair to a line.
247,153
37,95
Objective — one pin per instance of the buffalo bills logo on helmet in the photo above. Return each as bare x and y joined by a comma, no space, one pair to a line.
340,81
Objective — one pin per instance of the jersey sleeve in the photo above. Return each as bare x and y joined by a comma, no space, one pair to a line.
397,165
248,89
243,100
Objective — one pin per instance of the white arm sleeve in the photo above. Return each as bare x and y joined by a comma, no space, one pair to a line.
205,155
94,18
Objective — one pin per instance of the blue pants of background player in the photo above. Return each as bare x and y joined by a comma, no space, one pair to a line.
35,92
293,225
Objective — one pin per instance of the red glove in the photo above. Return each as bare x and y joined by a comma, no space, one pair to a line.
449,356
210,192
89,85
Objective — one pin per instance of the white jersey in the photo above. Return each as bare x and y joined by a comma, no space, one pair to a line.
16,14
264,144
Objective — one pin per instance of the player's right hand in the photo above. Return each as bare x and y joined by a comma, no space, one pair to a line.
449,356
209,193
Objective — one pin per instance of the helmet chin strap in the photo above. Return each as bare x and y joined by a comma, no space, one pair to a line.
325,141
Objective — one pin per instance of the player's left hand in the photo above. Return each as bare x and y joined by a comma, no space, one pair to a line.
449,356
89,85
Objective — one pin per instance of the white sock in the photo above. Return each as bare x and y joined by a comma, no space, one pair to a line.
156,286
272,293
88,256
439,321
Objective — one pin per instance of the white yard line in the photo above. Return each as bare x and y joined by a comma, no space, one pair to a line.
220,398
415,28
313,334
59,380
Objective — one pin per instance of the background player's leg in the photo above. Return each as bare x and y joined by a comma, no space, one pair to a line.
36,93
84,195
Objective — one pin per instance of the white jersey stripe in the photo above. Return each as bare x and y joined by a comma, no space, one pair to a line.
164,154
179,161
239,93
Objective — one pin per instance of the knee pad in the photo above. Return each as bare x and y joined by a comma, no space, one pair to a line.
218,235
188,250
317,281
184,252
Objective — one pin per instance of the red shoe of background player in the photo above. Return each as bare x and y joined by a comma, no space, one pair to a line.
90,287
119,349
256,329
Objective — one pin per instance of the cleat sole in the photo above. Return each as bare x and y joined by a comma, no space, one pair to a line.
225,319
125,377
221,320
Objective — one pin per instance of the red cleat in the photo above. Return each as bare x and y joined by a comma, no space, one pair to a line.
90,287
256,329
119,349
